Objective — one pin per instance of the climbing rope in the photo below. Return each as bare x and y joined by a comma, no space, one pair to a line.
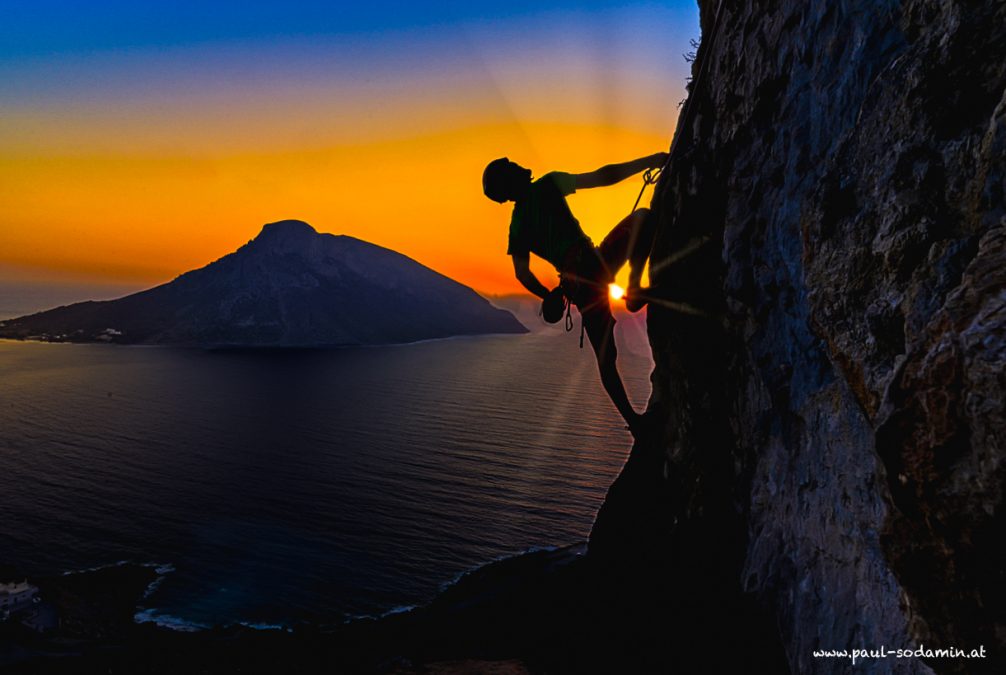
651,176
686,114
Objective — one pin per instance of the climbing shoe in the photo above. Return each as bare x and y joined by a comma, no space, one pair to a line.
635,299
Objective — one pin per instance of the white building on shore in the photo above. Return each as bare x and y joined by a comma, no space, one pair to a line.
15,597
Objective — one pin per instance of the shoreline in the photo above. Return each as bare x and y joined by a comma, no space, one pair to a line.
124,573
99,608
256,348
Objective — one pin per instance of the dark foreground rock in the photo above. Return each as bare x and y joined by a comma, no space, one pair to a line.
98,603
544,612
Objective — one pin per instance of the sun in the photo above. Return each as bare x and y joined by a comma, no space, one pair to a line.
616,291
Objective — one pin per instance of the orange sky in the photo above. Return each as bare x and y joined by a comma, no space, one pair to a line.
136,183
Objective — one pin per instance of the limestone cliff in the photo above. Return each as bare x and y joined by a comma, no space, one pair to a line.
837,213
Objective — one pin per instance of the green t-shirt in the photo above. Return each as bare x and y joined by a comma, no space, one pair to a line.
542,222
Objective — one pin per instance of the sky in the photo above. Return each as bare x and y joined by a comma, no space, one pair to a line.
140,140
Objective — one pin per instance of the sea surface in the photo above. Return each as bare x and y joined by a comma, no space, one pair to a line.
280,486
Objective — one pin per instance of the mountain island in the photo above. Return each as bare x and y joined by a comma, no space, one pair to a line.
290,286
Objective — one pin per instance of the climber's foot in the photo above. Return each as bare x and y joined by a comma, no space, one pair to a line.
635,298
642,426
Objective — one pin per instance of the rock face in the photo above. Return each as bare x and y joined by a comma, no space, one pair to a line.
289,287
837,212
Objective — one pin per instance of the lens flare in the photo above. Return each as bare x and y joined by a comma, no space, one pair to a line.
616,291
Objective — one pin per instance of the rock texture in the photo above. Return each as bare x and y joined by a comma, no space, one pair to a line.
288,287
837,213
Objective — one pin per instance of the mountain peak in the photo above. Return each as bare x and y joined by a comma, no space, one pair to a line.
285,231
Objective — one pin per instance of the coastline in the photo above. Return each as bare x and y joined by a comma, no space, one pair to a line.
101,608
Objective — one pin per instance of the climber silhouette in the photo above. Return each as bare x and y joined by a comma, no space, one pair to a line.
543,224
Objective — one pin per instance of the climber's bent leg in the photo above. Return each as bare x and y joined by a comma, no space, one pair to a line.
629,241
600,327
641,245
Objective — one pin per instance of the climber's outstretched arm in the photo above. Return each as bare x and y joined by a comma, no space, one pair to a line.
613,173
522,270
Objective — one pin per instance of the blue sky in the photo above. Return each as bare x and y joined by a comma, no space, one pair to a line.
41,27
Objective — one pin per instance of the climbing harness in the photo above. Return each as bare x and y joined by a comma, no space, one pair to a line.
569,321
567,299
570,284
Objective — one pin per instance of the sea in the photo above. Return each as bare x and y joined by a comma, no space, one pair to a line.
271,488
